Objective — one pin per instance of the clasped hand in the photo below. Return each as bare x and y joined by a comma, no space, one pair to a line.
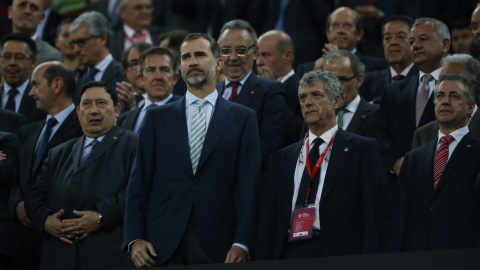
76,229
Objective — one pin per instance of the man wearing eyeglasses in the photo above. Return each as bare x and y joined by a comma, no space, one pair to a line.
17,60
91,36
238,41
26,15
475,26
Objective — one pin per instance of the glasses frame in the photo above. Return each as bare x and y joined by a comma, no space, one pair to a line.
235,52
80,42
473,27
15,56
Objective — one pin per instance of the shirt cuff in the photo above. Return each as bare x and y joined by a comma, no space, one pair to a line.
242,246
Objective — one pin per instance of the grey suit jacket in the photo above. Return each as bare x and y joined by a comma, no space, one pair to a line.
98,184
45,52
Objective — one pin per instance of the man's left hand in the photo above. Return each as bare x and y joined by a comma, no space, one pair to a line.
266,73
236,254
87,224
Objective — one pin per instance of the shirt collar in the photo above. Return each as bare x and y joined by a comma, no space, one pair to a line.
290,74
352,107
435,74
191,98
62,115
129,31
158,103
242,81
21,88
103,64
326,137
457,134
404,71
89,140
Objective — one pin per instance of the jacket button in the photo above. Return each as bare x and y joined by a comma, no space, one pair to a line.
189,204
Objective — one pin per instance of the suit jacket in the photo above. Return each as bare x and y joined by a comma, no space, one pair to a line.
118,41
396,119
446,217
28,106
294,119
364,119
45,52
128,120
9,145
11,121
50,31
112,75
376,81
29,135
163,191
98,184
267,98
429,132
350,204
371,64
102,7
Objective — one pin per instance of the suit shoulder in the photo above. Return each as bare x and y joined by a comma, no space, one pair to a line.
355,137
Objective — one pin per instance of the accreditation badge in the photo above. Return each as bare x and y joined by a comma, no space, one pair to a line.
302,223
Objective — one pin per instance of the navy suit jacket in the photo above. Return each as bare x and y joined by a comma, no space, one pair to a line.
11,121
163,191
364,119
128,120
447,217
350,204
27,106
267,98
294,119
376,81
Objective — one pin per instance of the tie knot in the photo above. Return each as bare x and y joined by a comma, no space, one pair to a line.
398,77
234,85
51,122
12,92
94,143
201,102
446,139
427,78
317,142
153,105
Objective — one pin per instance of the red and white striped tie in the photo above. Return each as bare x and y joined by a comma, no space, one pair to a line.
441,158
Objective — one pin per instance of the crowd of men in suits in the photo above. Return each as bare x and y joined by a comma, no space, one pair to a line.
348,154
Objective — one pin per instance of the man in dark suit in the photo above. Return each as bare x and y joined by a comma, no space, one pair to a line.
439,199
91,37
78,200
396,48
194,204
17,61
342,197
344,31
53,86
468,67
275,54
238,42
158,74
356,115
9,146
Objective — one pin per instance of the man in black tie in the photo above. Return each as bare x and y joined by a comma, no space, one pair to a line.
337,187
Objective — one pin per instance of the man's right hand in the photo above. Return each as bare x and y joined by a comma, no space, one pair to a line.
140,257
56,227
397,166
22,215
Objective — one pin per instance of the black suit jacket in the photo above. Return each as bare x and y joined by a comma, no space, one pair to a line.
128,120
429,132
267,98
10,121
294,119
27,106
364,119
350,204
118,41
447,217
50,31
98,184
376,81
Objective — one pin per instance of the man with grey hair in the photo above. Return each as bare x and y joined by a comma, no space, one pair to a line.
466,66
356,115
238,46
438,205
91,37
340,194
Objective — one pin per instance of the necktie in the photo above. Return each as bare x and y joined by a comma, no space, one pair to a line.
197,134
137,37
423,94
43,142
398,78
91,75
233,95
302,191
10,105
441,158
146,109
340,114
93,144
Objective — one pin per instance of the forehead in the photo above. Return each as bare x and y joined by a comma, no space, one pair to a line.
396,26
235,37
81,31
13,46
459,31
270,42
343,16
93,93
424,29
38,72
308,88
338,65
37,3
196,45
451,86
133,3
158,60
134,54
476,15
452,68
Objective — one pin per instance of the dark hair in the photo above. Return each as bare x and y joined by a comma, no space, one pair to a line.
357,19
67,20
175,38
460,24
214,47
140,46
356,65
110,90
398,18
155,51
242,25
32,47
62,72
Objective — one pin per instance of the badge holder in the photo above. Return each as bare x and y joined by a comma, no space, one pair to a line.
302,223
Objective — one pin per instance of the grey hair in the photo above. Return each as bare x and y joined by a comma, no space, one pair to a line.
242,25
330,82
441,29
122,4
356,65
97,24
467,84
471,68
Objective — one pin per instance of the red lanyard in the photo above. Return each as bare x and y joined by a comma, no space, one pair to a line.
317,164
144,37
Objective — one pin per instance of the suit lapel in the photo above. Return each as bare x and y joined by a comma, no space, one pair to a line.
110,139
474,125
359,117
247,95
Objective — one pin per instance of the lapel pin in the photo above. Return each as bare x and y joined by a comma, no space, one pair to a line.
346,149
114,137
252,92
469,146
363,116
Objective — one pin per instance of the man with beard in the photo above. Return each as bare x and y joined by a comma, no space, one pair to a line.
192,194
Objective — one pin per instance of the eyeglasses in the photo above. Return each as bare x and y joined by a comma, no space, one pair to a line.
473,27
132,64
80,42
239,51
345,78
17,57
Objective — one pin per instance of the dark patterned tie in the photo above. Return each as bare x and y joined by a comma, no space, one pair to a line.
398,78
93,144
91,75
302,191
10,105
233,95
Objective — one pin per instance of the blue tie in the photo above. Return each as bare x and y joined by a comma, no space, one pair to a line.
43,142
198,132
91,75
423,94
93,144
